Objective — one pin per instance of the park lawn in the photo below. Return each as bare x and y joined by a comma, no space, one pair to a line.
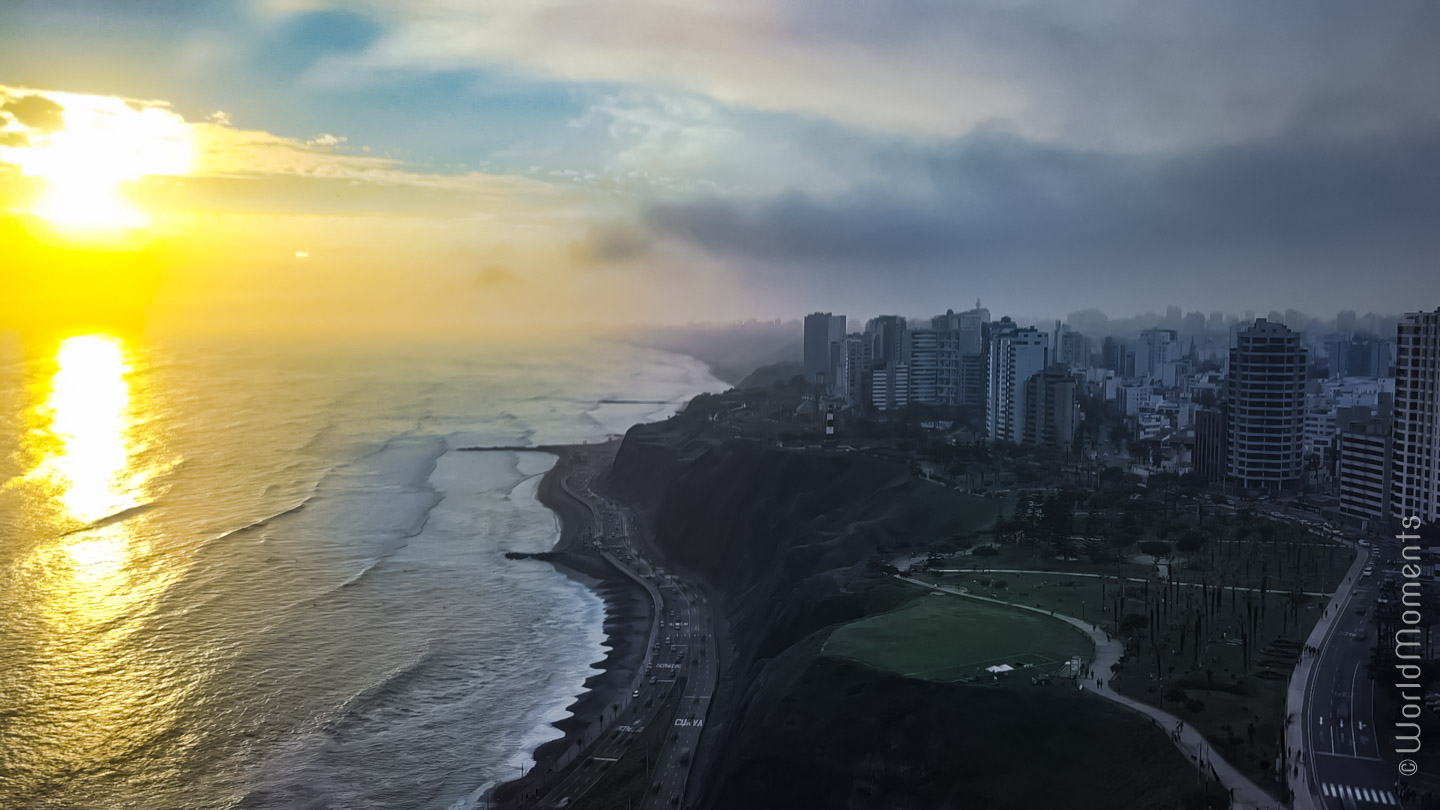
1080,597
946,638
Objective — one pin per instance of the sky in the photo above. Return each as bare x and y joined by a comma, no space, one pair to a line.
438,164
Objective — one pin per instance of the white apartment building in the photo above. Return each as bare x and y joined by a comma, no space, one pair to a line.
1415,479
1015,356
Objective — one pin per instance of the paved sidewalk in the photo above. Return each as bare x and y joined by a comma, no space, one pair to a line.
1245,794
1300,685
973,571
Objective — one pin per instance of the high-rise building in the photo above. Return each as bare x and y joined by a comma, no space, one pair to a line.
1112,355
1319,431
1195,323
1015,355
949,320
934,358
852,377
1337,355
887,338
1415,479
1345,321
823,335
1074,349
1369,357
890,386
1265,393
973,380
1052,410
1209,455
1157,347
1359,355
1364,461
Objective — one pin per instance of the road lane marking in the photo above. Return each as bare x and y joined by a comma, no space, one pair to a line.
1347,756
1356,674
1360,794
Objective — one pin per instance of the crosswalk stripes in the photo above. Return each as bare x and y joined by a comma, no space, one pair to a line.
1359,794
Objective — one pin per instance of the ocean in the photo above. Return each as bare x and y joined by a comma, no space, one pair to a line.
259,575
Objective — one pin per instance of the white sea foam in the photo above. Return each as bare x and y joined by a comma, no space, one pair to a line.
321,596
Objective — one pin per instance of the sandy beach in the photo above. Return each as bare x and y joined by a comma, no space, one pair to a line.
627,614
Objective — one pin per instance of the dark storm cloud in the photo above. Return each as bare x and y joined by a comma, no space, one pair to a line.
36,112
994,197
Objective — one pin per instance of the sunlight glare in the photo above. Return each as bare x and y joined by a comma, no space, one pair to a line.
104,144
87,406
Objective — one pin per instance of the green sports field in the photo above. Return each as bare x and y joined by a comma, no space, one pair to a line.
947,638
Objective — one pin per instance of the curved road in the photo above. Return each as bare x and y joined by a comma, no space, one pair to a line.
681,650
1245,793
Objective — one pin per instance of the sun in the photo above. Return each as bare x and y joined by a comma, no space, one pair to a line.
104,144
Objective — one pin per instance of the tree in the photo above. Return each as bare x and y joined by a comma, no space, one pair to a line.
1056,516
1156,549
1192,541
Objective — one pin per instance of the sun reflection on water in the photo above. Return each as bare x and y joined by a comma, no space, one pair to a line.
85,458
90,580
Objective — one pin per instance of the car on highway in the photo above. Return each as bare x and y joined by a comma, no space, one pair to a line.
636,693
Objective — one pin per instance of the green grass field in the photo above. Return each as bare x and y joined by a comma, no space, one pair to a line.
946,638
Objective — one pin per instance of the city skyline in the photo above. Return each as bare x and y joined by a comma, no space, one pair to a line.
1342,413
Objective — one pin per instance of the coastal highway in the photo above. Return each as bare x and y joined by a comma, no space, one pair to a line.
690,638
1342,749
681,650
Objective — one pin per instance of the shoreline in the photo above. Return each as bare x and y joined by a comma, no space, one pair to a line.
629,610
626,626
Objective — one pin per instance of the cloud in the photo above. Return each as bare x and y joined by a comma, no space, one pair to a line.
1298,211
612,242
36,112
325,140
1106,74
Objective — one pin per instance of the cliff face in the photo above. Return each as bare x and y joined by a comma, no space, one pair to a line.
761,526
780,538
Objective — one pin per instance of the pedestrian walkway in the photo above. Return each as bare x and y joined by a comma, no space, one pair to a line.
1244,793
1305,798
1037,572
1360,795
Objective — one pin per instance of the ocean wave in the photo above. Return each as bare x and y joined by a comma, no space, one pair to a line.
477,800
110,520
392,682
358,575
265,521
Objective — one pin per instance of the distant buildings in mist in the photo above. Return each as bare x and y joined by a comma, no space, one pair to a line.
1281,403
